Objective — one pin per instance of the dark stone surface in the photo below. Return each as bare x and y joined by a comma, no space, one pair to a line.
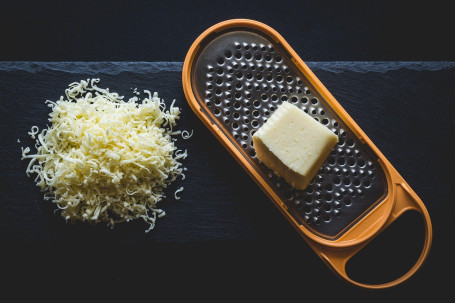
224,228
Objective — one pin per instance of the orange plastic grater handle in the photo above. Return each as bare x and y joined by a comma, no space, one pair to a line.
404,199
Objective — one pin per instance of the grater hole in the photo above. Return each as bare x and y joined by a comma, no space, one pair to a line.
351,162
248,56
236,136
237,95
216,111
255,123
294,99
279,78
244,145
219,81
235,125
327,207
226,121
255,113
328,197
314,101
269,77
252,153
328,187
249,76
236,115
347,201
304,100
361,163
278,58
289,79
220,61
325,121
284,98
238,55
268,58
346,181
274,97
356,182
217,101
309,189
258,57
256,103
208,103
307,209
228,54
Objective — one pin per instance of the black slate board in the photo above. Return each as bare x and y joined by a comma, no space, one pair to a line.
223,223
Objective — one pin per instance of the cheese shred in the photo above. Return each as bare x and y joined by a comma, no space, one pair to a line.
104,159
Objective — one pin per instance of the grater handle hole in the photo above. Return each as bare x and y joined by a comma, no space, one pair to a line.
391,253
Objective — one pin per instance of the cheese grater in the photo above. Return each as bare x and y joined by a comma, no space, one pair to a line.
235,76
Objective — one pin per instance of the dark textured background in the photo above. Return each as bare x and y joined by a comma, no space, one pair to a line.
224,238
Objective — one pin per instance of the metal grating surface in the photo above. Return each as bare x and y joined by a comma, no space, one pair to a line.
241,77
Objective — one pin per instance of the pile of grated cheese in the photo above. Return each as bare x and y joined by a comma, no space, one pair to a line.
104,159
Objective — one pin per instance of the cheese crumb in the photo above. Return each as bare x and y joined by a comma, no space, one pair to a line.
104,159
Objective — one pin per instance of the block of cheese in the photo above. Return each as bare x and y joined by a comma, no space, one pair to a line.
293,144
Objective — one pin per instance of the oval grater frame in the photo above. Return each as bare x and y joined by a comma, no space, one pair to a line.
334,248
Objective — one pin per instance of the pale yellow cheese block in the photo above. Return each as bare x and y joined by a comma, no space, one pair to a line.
293,144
